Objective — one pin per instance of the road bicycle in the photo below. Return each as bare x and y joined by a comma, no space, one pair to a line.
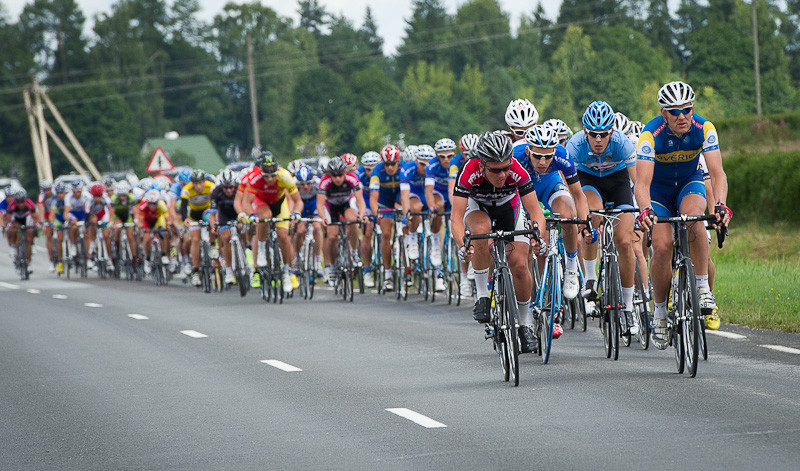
22,261
308,271
241,272
272,274
376,262
503,326
451,268
343,270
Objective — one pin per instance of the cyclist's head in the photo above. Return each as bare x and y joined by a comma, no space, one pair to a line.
444,144
409,154
185,175
152,196
337,167
599,116
425,153
46,185
370,159
122,188
493,147
228,178
97,189
520,115
675,95
541,137
350,159
304,174
621,123
561,128
198,176
61,188
267,163
467,143
389,154
293,166
19,194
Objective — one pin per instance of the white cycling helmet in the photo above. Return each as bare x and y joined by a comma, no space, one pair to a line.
468,142
122,188
409,154
152,196
425,153
675,95
322,164
560,127
521,114
444,144
293,166
541,136
621,123
371,158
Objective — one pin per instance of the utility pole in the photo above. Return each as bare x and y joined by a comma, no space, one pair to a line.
756,66
253,100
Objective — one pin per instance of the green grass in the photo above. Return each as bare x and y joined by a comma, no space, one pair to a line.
757,281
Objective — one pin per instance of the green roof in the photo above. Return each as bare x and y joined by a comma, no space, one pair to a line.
199,149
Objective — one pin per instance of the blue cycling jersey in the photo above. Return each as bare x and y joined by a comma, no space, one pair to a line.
456,163
619,154
436,175
4,204
412,180
364,179
175,190
387,186
562,162
676,159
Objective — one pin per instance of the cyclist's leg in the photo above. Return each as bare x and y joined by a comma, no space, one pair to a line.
225,243
590,249
352,230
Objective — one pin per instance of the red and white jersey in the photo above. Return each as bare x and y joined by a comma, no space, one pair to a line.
339,194
472,183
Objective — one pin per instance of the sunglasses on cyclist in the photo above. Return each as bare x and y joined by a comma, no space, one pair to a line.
446,156
538,156
599,134
389,164
228,187
270,175
680,111
497,169
518,132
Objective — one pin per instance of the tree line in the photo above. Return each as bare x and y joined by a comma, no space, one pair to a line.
151,66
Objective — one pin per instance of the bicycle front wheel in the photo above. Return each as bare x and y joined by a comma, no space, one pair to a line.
510,312
690,315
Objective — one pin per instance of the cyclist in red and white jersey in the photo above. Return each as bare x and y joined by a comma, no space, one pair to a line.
489,195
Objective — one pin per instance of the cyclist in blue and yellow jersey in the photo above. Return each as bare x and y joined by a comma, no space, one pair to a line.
670,182
412,195
195,203
57,221
384,187
550,165
369,161
467,144
606,160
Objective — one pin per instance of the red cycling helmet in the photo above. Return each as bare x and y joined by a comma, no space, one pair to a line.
390,153
350,159
97,189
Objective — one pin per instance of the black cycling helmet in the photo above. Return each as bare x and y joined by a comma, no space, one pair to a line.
198,176
493,147
337,166
266,162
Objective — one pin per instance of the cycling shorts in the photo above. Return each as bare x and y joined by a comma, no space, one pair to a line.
309,208
77,215
151,224
279,209
335,212
612,188
667,198
548,187
505,217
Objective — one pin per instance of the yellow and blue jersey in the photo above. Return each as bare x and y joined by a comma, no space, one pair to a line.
387,186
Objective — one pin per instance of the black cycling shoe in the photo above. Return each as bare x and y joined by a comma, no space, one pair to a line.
589,291
527,339
481,310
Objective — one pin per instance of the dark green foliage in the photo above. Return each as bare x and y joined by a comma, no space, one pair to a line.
764,187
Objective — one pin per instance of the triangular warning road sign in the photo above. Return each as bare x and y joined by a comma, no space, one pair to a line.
159,162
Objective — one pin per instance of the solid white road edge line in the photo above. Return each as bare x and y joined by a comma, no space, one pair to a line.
727,335
138,317
194,334
781,348
416,417
281,366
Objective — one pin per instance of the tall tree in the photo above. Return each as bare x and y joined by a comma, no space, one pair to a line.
483,35
56,30
370,32
428,33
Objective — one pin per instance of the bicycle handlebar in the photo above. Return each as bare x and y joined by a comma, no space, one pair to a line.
721,232
468,236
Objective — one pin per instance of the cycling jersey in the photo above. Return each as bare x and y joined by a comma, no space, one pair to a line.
79,206
174,191
361,173
123,210
411,180
222,205
153,215
197,201
619,154
270,194
20,211
339,194
100,209
473,184
549,185
387,186
47,203
456,163
676,159
436,175
58,211
309,198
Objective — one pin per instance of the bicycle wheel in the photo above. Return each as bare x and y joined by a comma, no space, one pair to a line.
642,310
616,302
703,341
690,316
510,313
348,274
240,272
499,338
553,305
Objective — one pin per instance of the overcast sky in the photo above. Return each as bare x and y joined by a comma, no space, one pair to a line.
390,15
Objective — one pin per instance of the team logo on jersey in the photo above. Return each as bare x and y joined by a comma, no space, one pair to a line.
712,139
646,149
669,142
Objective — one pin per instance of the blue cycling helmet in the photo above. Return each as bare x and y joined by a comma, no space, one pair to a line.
304,173
599,116
185,175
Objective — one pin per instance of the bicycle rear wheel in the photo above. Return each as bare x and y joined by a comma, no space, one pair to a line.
509,309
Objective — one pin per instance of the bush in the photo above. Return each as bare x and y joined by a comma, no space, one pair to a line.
765,187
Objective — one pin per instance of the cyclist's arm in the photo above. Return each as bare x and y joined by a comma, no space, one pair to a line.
295,203
362,207
184,207
457,210
581,203
644,177
373,202
322,200
247,203
405,201
531,204
719,181
632,173
429,196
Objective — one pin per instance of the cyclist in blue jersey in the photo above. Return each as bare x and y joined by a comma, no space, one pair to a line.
412,194
606,160
467,144
368,162
670,182
436,186
384,187
308,186
546,161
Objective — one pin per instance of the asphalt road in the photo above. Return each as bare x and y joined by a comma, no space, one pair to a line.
191,382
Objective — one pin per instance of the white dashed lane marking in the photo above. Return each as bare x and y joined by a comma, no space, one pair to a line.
60,296
727,335
194,334
281,366
34,290
416,417
138,317
781,348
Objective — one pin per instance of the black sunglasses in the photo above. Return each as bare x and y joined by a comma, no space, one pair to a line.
599,134
389,164
497,169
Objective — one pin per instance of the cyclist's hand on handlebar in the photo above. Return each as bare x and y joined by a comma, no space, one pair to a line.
724,214
589,235
539,246
646,219
464,254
